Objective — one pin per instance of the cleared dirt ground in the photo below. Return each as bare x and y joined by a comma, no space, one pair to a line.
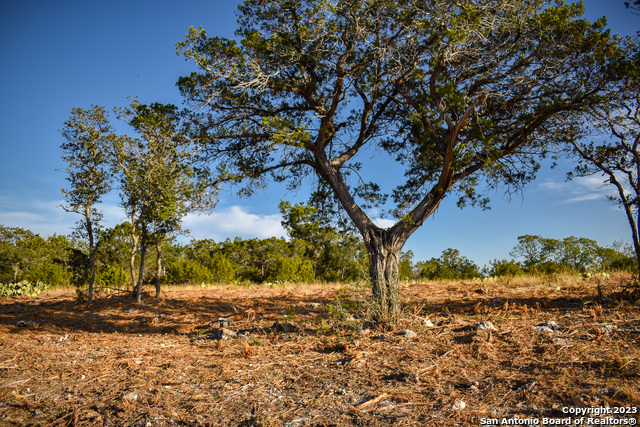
305,356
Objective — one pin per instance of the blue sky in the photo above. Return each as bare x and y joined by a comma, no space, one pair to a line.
61,54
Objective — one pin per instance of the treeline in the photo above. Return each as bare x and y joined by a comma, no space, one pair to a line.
317,253
539,256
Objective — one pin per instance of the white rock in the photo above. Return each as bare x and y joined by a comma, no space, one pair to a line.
486,326
459,405
547,327
131,397
408,333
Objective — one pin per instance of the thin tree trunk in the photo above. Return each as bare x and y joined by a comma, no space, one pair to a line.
143,251
634,229
134,250
92,257
158,266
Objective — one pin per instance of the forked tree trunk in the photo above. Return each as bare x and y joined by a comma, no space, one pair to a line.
384,272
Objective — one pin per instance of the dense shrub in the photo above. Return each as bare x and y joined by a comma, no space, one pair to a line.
52,273
504,268
188,271
112,276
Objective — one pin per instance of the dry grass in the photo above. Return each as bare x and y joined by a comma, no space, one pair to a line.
159,364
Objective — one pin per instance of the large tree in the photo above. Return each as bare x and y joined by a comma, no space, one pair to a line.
88,134
456,94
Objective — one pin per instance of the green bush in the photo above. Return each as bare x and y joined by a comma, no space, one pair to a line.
50,272
188,271
505,268
222,269
112,276
24,287
291,270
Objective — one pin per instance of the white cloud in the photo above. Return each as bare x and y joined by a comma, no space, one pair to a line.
47,217
579,189
232,222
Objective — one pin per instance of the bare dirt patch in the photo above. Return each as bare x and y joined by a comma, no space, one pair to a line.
305,356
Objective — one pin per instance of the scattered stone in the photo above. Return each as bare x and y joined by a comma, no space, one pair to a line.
224,322
26,323
459,405
224,334
286,327
560,341
428,323
547,327
408,333
130,397
486,326
551,324
246,333
130,310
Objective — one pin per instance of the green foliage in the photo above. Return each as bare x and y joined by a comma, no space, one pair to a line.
188,271
22,288
451,265
504,268
27,256
336,255
112,276
291,270
571,255
406,266
52,273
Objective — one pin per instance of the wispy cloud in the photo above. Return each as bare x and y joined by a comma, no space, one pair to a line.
578,190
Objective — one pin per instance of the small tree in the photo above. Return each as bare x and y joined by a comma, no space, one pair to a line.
160,180
88,133
455,92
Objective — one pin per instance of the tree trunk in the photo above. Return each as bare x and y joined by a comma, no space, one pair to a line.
134,250
158,266
92,256
384,272
143,251
634,234
629,211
